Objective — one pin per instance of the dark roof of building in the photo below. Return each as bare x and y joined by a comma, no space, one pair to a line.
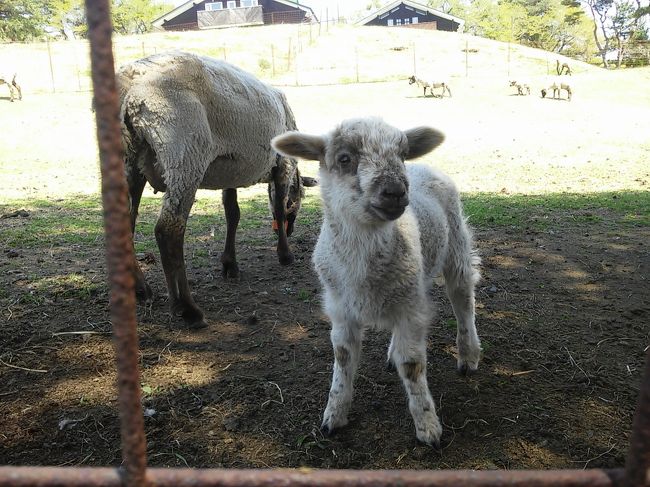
184,7
415,5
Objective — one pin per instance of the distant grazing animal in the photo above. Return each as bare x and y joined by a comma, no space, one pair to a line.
192,122
556,85
562,69
431,85
522,88
14,88
388,231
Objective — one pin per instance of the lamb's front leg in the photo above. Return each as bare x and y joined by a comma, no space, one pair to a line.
346,341
409,354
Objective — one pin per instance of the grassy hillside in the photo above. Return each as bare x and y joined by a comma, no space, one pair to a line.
295,55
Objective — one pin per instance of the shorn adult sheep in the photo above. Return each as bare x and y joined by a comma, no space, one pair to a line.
192,122
388,230
556,85
431,85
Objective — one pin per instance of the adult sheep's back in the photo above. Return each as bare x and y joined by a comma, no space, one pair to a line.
211,94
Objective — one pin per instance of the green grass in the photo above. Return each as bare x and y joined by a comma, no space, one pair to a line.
78,221
627,208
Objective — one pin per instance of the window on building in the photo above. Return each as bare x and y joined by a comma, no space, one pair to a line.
232,4
414,20
390,22
398,21
214,6
248,3
407,21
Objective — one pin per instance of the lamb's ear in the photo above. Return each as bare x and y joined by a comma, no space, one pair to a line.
295,144
308,182
422,140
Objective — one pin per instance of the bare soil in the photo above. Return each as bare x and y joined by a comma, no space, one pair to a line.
563,315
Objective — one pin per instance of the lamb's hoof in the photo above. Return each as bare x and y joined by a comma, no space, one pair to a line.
286,258
467,368
430,435
327,430
230,270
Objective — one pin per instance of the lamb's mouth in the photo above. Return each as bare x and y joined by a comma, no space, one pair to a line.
388,213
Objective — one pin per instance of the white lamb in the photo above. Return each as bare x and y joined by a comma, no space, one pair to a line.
388,230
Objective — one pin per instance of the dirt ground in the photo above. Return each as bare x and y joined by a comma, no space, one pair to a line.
562,310
563,318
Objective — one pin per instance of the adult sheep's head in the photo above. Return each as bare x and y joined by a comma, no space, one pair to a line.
293,186
362,172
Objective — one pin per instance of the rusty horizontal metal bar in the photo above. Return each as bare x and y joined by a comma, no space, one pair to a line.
158,477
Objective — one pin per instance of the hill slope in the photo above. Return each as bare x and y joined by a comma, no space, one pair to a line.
296,54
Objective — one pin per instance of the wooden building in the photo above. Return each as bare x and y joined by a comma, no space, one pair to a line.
413,14
208,14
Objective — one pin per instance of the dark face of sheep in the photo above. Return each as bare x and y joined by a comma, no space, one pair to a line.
362,165
294,191
543,93
412,80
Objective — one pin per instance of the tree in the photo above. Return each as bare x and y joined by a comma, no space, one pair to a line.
615,22
22,20
67,17
135,16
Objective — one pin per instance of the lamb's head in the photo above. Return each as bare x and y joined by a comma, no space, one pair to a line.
362,170
412,80
294,188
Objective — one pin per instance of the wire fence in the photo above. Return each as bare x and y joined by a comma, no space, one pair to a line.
305,54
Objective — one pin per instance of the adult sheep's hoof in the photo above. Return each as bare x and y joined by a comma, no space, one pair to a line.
143,292
286,258
191,314
230,270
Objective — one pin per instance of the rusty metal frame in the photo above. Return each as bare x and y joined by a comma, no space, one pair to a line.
134,471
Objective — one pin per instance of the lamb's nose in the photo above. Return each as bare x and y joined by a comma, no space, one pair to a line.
395,190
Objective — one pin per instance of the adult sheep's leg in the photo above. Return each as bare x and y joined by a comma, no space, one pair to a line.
20,92
409,356
136,183
346,341
284,252
170,235
231,208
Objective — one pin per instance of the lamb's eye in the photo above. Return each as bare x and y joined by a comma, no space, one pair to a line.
343,159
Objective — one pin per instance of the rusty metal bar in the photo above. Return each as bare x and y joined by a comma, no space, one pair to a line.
119,248
637,463
158,477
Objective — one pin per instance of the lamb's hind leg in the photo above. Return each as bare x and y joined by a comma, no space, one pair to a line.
231,208
170,235
460,289
346,341
408,353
